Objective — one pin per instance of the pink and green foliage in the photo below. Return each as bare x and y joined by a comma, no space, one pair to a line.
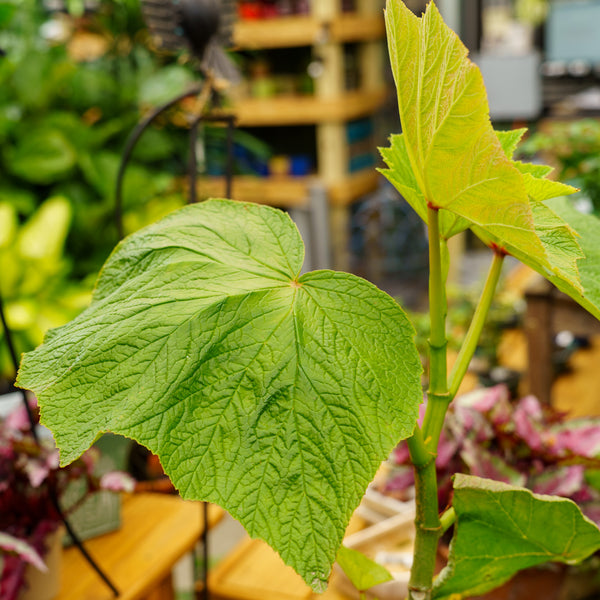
30,477
520,442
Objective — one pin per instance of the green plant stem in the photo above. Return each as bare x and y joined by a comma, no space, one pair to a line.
422,445
428,528
473,334
437,395
448,519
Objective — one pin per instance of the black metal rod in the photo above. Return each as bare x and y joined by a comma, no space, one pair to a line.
15,361
229,121
205,552
193,161
132,140
79,544
229,168
51,489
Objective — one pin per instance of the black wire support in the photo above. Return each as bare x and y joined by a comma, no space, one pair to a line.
205,552
15,361
52,490
193,161
206,94
130,144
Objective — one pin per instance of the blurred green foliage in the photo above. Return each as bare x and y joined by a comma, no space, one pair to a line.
73,85
37,292
505,312
63,122
574,148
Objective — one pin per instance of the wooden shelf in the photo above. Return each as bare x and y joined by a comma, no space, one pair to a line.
307,110
289,192
324,32
353,186
284,32
283,192
352,27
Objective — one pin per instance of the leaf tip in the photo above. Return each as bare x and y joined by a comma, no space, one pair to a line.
319,583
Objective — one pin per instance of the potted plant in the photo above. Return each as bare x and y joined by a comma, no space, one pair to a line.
277,394
30,483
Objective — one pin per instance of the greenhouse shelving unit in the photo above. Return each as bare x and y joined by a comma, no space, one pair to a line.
329,110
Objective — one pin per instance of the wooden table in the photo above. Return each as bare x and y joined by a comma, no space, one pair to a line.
253,571
157,530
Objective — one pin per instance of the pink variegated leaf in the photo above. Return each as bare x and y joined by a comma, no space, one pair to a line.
592,512
483,463
400,479
9,543
447,448
401,454
487,398
527,419
117,481
564,481
582,439
18,419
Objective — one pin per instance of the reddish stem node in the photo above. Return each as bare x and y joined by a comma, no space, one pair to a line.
499,249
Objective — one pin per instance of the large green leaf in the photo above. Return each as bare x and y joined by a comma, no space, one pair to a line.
503,529
449,157
272,394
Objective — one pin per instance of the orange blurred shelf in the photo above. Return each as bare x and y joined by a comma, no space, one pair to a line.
307,110
289,192
300,30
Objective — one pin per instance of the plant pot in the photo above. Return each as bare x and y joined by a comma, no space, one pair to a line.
99,512
45,586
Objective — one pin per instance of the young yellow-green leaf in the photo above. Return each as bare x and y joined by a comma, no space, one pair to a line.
510,139
449,157
539,188
272,394
363,572
456,157
502,529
